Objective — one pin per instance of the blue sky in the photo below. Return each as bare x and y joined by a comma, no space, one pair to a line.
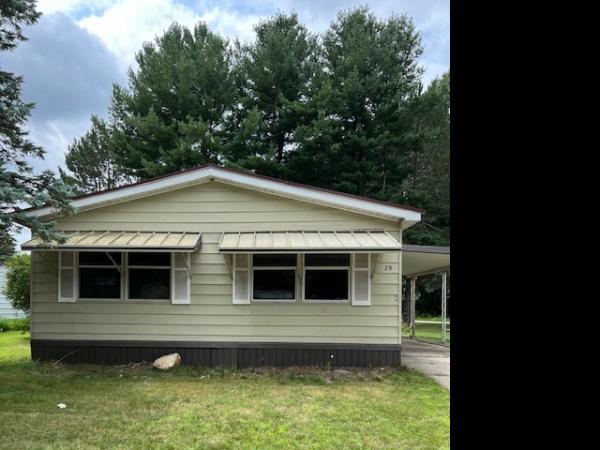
79,48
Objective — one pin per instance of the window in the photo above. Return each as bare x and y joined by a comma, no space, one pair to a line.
274,277
105,275
326,277
99,275
148,276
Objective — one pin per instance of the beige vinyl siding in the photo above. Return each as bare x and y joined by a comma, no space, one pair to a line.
212,208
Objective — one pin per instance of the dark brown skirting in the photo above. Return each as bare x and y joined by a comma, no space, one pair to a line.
214,354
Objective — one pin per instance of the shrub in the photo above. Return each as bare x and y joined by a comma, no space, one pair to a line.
14,325
17,281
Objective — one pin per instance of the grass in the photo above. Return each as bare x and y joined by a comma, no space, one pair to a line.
138,407
432,318
431,332
14,324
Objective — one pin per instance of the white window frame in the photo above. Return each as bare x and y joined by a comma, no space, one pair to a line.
235,270
124,271
127,278
350,280
75,277
188,272
355,301
273,300
98,266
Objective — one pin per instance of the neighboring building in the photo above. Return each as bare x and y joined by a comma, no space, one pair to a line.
6,309
226,268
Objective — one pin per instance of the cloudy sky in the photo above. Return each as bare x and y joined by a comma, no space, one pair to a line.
79,48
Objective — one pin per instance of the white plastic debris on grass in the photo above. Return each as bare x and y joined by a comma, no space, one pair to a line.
61,405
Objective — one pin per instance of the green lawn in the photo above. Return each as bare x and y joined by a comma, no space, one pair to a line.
129,407
431,332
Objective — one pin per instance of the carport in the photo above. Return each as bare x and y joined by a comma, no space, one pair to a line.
420,260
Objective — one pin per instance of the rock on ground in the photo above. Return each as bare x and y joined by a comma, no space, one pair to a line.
167,362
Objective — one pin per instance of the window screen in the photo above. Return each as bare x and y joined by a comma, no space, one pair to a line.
274,277
99,283
326,276
275,284
326,285
149,259
151,284
327,260
98,276
149,276
99,258
274,260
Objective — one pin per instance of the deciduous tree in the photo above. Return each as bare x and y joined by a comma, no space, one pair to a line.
17,281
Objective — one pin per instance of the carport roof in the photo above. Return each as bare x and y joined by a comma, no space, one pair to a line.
424,259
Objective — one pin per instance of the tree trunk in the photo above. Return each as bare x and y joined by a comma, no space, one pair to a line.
280,145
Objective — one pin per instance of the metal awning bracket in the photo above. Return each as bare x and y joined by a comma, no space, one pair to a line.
229,264
114,263
374,265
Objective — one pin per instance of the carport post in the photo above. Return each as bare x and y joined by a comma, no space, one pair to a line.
444,307
413,295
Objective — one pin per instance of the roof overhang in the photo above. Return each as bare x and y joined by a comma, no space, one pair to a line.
406,215
120,241
308,242
418,260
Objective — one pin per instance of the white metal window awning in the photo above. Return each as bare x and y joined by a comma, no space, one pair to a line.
308,242
121,241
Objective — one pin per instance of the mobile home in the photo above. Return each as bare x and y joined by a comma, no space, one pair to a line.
225,267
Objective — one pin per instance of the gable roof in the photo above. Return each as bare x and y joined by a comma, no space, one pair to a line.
206,173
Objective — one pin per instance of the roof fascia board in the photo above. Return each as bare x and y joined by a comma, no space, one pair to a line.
128,193
427,249
320,198
428,272
243,180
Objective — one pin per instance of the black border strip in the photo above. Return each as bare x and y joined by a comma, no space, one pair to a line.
219,354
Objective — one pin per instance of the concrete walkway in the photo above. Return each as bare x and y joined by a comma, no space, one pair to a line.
429,359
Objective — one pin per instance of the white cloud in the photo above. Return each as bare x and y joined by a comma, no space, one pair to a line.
126,24
231,24
123,25
55,136
68,74
68,6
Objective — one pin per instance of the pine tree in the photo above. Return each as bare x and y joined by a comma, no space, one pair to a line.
276,75
357,142
172,115
19,185
428,185
91,162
